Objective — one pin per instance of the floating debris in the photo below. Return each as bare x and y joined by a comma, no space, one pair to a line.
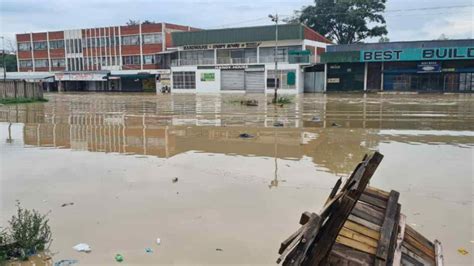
219,249
463,251
66,262
119,257
316,119
175,180
67,204
82,247
249,102
245,136
158,241
148,250
335,125
278,124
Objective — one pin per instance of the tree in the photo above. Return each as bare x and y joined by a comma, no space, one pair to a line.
443,37
10,62
132,22
384,39
345,21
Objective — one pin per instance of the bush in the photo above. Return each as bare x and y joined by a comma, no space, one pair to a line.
283,100
28,234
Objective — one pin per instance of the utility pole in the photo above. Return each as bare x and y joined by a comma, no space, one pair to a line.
274,18
3,59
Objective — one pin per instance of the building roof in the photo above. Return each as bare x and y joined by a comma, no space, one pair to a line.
400,45
245,34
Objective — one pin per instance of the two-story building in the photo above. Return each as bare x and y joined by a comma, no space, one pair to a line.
243,59
114,58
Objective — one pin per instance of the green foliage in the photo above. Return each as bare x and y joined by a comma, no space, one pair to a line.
10,62
28,233
21,100
345,21
283,100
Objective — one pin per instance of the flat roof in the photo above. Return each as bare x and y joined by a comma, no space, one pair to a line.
239,35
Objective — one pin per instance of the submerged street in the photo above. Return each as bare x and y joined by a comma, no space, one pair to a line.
116,157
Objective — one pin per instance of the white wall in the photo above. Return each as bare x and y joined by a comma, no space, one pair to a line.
208,86
299,82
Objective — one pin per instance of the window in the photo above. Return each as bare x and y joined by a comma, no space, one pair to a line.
56,44
131,60
148,59
41,62
130,40
286,79
58,62
26,63
184,80
152,38
24,46
40,45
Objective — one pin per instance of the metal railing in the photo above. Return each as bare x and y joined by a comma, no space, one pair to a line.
247,60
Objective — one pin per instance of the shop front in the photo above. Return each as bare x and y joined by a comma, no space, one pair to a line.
423,66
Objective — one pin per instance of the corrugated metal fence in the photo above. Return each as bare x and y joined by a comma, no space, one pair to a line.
20,89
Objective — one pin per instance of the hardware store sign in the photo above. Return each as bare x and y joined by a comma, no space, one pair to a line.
418,54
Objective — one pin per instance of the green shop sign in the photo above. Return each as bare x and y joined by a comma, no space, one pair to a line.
208,77
418,54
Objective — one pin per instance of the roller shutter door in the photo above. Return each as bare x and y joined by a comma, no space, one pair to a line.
255,81
232,80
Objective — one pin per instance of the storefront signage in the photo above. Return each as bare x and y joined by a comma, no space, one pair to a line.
80,77
418,54
221,46
428,67
208,77
333,80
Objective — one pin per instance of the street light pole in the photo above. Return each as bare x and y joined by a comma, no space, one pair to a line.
3,59
274,18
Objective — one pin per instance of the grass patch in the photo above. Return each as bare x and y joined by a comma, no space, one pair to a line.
281,100
21,100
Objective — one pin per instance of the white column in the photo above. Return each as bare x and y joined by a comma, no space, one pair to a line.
95,45
141,45
381,77
365,75
100,49
49,55
215,56
258,54
32,53
325,77
115,48
120,51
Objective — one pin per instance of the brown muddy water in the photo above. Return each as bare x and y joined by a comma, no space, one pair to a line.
115,155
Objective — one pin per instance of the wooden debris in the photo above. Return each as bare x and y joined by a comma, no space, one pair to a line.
359,225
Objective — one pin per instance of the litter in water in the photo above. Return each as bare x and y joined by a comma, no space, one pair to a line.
67,204
158,241
119,257
245,136
65,262
175,180
148,250
82,247
463,251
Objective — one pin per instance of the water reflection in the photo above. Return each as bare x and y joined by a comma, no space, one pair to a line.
334,131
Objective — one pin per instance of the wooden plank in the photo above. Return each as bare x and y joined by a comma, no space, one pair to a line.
298,254
439,257
334,190
368,212
358,237
387,229
343,255
397,257
363,222
415,250
393,240
356,245
330,230
407,252
362,230
419,237
284,245
377,192
367,198
410,261
413,242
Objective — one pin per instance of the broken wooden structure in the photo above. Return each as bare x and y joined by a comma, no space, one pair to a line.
359,225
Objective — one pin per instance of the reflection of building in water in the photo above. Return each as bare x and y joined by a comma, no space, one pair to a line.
181,123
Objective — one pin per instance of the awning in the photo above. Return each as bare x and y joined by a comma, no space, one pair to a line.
167,52
133,76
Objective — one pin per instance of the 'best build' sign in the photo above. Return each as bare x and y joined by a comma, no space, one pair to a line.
418,54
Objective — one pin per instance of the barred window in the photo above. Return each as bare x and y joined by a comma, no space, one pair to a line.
184,80
130,40
152,38
24,46
41,62
58,62
56,44
40,45
26,63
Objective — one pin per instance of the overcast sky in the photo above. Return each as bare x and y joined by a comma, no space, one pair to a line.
19,16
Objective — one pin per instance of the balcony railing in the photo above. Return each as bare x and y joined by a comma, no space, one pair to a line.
292,59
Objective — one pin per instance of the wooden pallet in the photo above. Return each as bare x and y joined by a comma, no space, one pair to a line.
359,225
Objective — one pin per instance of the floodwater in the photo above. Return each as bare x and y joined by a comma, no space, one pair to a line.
115,156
